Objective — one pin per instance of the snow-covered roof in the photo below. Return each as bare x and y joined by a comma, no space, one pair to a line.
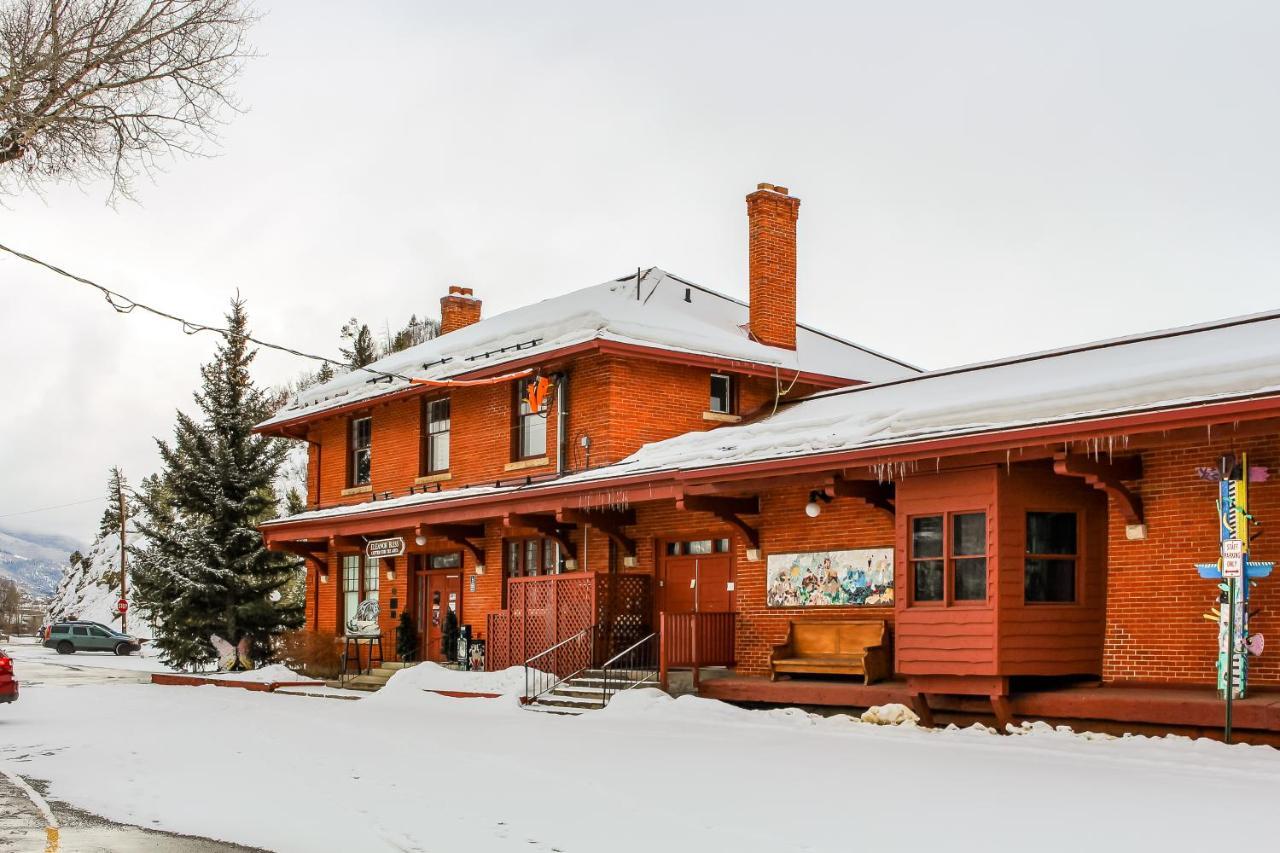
1174,368
705,323
1232,359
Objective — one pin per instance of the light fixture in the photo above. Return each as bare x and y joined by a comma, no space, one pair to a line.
391,571
420,539
324,576
813,508
479,568
753,554
570,565
630,562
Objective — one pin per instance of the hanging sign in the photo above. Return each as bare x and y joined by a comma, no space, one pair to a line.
378,548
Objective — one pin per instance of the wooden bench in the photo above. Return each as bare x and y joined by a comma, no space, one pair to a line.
833,648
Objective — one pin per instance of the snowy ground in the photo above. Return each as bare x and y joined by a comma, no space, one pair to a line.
29,649
412,771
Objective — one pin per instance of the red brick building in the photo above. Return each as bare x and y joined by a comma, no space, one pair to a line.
1023,524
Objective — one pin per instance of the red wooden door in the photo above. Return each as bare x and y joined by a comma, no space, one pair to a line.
702,583
439,592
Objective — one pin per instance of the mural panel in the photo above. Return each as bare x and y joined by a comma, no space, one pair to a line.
862,576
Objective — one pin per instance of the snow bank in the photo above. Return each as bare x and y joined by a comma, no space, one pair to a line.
272,674
432,676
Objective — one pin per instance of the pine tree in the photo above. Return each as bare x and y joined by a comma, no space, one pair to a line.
362,350
324,374
205,569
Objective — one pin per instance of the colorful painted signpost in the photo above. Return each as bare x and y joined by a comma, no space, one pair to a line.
1237,574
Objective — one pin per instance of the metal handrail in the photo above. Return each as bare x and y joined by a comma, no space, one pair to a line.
530,694
646,673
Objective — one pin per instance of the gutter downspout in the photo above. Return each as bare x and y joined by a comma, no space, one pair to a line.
562,417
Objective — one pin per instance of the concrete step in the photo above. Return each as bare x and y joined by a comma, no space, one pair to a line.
553,709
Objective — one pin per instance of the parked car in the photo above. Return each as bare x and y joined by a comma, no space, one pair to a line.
8,684
69,637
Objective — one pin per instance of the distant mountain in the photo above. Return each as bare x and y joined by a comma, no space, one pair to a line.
35,560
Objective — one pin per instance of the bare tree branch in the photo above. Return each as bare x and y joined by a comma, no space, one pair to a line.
104,88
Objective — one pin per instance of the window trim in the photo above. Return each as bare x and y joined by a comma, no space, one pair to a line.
1078,557
948,558
362,589
732,401
518,420
352,450
425,467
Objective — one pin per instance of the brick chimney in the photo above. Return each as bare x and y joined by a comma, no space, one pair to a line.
458,310
771,214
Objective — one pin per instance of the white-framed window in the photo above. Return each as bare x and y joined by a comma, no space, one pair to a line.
722,401
360,468
531,427
357,585
436,431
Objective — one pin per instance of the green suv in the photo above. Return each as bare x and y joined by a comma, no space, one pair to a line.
68,637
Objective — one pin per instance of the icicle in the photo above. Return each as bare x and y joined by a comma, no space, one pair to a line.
1008,461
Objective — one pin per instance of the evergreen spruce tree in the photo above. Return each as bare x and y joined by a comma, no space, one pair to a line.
362,350
205,569
324,374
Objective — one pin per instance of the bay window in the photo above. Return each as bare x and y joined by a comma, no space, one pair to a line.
1052,551
948,558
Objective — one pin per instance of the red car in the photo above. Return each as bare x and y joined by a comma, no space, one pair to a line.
8,684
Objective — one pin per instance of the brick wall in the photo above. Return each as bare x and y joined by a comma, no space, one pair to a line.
619,403
1155,598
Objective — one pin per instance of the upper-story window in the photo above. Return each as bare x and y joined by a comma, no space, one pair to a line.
1052,550
722,396
435,436
530,426
359,466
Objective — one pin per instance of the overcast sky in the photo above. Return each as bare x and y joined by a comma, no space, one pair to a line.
977,180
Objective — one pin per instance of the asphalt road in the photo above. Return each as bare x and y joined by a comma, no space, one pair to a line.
22,827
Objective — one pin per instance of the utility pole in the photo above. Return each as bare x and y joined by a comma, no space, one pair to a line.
124,577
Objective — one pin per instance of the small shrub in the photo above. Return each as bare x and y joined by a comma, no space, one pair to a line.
312,653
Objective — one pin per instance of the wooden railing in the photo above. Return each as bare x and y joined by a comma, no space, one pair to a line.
695,640
542,611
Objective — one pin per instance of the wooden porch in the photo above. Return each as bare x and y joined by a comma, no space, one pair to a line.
1115,709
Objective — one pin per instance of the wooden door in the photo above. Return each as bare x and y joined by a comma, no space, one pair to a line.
438,592
702,583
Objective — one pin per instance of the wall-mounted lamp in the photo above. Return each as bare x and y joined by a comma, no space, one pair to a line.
753,554
324,576
570,565
630,562
813,508
479,568
391,571
420,540
1135,531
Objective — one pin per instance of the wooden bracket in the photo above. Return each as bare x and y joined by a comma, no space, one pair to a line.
729,510
874,494
316,553
545,525
1106,477
348,542
458,534
608,522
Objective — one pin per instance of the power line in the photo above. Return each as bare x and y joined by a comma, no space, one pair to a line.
124,305
47,508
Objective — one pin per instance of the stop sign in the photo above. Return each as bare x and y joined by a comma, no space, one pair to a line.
122,606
